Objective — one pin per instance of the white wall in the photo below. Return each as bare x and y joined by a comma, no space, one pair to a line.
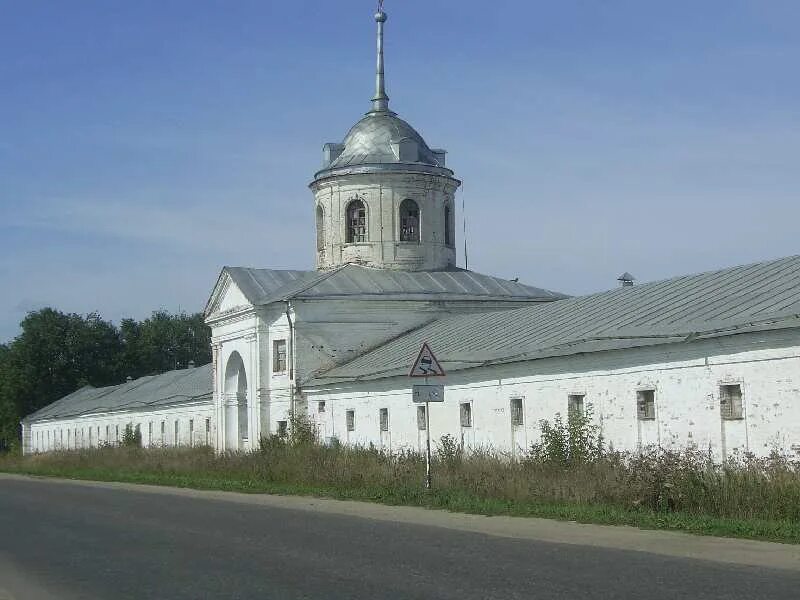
382,194
686,379
92,431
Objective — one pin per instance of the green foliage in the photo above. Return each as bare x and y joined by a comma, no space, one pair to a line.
577,441
449,451
164,342
58,353
132,436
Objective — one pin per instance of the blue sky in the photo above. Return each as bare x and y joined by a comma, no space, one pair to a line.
144,145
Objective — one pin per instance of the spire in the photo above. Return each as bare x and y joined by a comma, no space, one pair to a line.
380,103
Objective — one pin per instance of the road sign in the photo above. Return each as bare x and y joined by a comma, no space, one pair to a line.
426,364
428,393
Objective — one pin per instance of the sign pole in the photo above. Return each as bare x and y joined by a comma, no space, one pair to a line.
428,481
426,366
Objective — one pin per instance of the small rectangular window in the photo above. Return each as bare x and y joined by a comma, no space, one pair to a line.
208,431
107,436
466,414
646,405
116,433
575,405
730,402
191,432
422,423
150,433
351,420
175,440
321,406
384,418
279,356
283,428
517,416
163,432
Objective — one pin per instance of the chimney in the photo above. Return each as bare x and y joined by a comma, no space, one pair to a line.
626,279
191,364
128,379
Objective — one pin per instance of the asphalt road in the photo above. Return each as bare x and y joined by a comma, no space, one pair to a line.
68,541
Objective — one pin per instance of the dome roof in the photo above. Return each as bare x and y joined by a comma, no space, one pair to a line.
381,141
383,137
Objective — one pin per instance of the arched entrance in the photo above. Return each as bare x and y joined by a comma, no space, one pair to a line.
237,429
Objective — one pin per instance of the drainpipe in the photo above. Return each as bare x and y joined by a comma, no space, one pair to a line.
291,358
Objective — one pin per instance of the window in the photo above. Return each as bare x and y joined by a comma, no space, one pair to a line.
116,433
517,417
384,419
163,431
409,221
575,406
730,402
208,430
448,229
466,414
320,228
646,405
356,222
351,420
279,356
282,428
191,432
175,439
422,423
321,406
150,433
138,431
107,435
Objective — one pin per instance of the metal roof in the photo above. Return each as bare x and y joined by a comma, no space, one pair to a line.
370,142
752,297
184,385
260,286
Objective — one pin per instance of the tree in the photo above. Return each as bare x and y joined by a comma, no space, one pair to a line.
164,342
58,353
55,354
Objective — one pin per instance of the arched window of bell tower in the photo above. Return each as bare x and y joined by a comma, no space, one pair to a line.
409,221
448,225
356,222
320,228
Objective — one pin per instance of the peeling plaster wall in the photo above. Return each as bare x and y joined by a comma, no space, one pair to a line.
382,194
685,377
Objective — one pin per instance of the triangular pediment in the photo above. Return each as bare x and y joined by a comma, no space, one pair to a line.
227,297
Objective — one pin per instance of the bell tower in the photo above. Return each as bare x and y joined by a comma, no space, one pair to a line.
383,198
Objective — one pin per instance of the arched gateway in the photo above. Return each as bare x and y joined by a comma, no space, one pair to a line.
237,430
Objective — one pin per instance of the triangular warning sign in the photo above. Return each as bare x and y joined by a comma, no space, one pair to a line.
426,364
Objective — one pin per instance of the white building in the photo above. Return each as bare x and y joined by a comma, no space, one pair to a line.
710,360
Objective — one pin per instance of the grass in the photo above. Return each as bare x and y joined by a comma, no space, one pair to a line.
558,479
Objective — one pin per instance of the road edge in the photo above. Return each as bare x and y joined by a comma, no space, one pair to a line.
751,553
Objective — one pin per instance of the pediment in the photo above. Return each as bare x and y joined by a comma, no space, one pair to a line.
226,297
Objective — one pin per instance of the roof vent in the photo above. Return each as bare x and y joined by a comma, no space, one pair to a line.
191,364
128,379
626,279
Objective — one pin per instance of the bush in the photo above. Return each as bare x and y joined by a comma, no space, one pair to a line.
578,441
132,436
